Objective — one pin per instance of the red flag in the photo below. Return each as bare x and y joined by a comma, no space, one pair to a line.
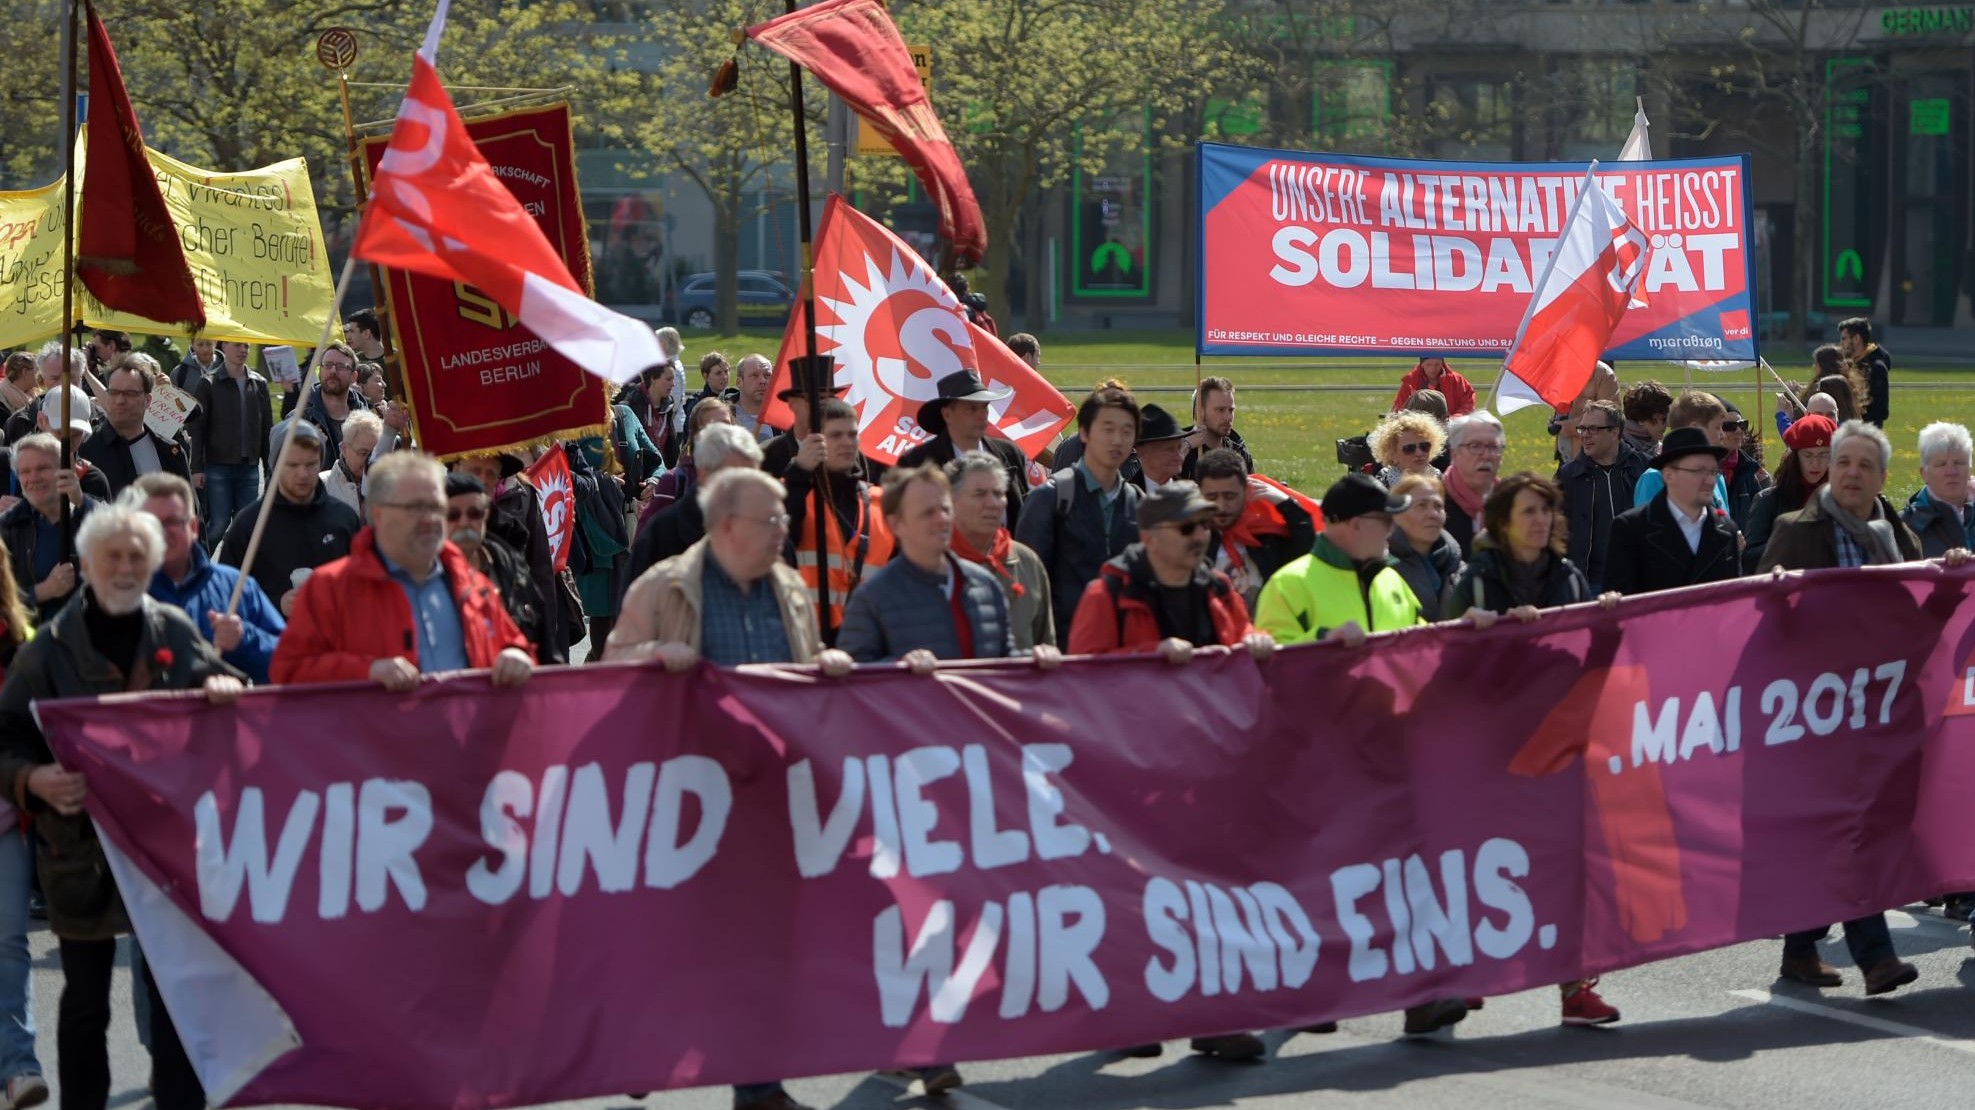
127,251
895,330
1578,303
556,491
436,208
853,47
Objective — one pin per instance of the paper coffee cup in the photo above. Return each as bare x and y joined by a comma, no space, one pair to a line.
297,577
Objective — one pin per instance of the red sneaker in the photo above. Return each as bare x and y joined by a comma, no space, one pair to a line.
1582,1006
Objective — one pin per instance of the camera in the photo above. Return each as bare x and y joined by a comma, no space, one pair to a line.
1354,453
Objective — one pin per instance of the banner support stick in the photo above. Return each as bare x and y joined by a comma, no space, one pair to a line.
70,84
273,491
819,506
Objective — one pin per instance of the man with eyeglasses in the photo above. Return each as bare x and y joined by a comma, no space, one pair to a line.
330,403
467,511
1692,409
305,527
1679,538
1475,445
1597,483
404,602
134,449
191,582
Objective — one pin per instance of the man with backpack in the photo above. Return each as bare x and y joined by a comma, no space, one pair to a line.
1086,513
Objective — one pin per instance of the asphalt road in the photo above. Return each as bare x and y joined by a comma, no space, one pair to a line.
1713,1030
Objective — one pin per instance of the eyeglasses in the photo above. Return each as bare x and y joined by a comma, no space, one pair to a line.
1703,471
454,514
1484,448
345,367
123,394
778,521
1416,448
417,508
1734,425
1587,429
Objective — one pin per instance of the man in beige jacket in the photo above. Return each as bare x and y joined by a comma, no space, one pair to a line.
729,599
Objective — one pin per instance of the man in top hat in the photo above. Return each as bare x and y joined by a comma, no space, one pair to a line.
958,421
1161,448
1679,538
779,453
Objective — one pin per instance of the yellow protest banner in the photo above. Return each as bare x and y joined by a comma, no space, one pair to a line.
253,239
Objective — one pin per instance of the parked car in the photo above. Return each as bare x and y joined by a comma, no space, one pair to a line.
764,300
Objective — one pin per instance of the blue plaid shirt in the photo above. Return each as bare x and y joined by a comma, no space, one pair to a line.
1849,552
739,626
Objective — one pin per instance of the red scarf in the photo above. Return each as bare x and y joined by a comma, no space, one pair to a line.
1459,493
1259,519
996,558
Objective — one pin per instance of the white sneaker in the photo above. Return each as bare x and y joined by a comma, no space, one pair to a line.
25,1090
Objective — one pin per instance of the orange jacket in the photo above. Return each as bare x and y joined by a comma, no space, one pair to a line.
1115,613
350,613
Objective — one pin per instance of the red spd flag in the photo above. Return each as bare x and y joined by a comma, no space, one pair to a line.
853,47
556,491
1582,296
436,208
895,330
127,250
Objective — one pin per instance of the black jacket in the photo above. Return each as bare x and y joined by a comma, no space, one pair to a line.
110,453
1583,485
1649,552
1432,574
1879,379
1074,545
1484,582
61,663
516,520
669,532
509,573
17,531
298,536
939,451
215,429
1750,479
1233,443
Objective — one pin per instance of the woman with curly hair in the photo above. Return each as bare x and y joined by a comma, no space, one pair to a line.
1406,443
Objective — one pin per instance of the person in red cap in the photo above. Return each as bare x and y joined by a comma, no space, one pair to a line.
1802,471
1432,372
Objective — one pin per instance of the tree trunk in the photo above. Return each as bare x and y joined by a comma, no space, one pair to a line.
1035,268
726,265
1803,271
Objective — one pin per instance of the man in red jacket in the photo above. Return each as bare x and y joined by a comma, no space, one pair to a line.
404,602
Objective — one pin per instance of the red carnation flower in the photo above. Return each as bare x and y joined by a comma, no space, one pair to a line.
162,657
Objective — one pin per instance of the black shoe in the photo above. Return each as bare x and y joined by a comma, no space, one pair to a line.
1142,1051
1234,1046
37,907
1319,1028
1429,1016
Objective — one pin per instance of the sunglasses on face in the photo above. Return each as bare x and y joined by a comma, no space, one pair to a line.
1734,425
1415,448
1188,527
455,515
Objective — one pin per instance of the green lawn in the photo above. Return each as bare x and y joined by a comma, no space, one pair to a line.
1293,431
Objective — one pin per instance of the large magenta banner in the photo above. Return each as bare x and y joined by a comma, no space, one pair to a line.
619,880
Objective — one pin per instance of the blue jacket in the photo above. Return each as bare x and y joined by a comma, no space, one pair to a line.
900,607
206,590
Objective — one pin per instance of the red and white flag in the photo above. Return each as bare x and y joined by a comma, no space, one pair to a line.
555,490
1578,303
436,208
895,330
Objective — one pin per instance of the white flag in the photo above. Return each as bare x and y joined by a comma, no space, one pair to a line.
1638,145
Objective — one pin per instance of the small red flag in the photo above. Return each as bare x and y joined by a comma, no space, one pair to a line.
556,490
127,252
853,47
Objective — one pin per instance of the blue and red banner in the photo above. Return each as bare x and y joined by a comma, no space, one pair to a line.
1333,254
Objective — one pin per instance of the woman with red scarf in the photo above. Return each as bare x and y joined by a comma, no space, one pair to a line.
1802,471
980,535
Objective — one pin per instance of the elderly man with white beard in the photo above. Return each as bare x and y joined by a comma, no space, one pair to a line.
110,638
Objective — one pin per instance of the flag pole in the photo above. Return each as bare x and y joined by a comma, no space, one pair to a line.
309,379
70,84
813,378
1549,266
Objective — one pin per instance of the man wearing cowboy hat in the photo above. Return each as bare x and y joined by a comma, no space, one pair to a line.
801,440
1679,538
958,421
1161,448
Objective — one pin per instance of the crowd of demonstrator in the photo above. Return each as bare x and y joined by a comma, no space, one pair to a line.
706,535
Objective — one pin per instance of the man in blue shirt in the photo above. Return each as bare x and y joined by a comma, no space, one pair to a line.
190,581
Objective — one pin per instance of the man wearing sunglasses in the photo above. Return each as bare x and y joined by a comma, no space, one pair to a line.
1598,482
467,510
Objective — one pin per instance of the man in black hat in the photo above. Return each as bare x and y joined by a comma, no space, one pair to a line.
958,420
1161,448
779,453
1346,586
1679,538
